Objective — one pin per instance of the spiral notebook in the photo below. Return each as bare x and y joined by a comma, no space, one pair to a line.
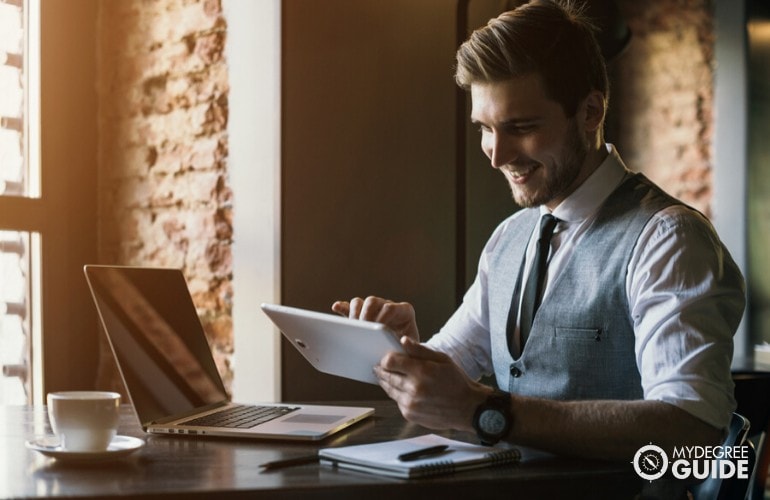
383,458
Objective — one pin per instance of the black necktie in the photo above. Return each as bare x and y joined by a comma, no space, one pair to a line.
533,290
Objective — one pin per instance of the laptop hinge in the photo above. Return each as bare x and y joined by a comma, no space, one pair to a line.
195,412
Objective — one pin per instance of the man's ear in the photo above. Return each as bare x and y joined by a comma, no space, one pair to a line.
595,107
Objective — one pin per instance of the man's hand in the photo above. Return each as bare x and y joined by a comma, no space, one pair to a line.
399,317
429,388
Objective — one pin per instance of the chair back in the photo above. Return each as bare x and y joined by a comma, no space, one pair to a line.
752,393
729,488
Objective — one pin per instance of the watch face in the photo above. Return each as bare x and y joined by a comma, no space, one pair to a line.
492,422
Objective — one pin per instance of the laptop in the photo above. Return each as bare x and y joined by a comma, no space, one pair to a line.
169,372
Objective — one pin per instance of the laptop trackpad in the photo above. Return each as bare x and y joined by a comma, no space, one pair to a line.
313,418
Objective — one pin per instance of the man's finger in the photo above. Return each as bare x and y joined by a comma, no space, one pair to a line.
341,307
417,350
387,381
354,311
371,308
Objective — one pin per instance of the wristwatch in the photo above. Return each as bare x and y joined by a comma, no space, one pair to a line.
492,420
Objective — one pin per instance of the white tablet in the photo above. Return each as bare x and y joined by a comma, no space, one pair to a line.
334,344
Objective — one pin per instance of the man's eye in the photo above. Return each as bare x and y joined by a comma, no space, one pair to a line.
521,129
483,128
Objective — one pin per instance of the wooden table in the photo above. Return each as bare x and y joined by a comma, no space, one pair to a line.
184,467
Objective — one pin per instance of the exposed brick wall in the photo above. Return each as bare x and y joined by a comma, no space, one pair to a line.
164,193
663,96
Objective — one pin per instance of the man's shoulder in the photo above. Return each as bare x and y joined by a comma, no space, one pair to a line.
680,218
637,200
667,210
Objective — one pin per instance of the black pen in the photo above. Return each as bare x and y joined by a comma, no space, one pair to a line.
423,453
290,462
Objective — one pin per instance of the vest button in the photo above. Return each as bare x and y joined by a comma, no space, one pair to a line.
515,372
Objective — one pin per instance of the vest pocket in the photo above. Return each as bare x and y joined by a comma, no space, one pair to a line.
586,334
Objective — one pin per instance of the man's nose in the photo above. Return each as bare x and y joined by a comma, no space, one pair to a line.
501,151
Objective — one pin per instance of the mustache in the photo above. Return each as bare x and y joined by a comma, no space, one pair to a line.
518,166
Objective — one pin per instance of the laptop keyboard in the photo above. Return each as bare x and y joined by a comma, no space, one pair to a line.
242,416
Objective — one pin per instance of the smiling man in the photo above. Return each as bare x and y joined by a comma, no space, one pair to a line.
612,328
543,155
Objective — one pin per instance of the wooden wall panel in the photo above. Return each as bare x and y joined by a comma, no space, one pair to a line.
368,155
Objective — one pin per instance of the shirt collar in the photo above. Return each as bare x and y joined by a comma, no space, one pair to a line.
590,195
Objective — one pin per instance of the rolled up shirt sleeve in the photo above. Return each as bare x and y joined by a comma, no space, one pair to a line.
465,339
686,299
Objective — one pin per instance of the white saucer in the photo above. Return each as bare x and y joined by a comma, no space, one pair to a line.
119,447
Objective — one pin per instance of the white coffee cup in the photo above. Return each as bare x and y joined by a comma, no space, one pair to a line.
84,420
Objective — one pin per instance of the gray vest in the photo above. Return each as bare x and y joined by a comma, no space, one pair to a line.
581,345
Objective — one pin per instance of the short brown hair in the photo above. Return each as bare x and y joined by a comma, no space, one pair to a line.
554,40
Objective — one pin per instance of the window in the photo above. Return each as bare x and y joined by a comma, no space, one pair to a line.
254,157
18,180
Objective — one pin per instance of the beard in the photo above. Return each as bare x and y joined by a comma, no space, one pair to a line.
560,176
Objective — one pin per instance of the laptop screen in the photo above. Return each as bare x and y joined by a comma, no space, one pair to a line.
158,342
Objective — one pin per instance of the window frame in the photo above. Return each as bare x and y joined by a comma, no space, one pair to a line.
64,215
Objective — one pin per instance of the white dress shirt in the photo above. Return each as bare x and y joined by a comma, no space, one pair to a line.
683,343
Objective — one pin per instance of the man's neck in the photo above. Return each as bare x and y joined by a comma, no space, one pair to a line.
594,157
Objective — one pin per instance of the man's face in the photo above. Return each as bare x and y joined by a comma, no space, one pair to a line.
529,139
